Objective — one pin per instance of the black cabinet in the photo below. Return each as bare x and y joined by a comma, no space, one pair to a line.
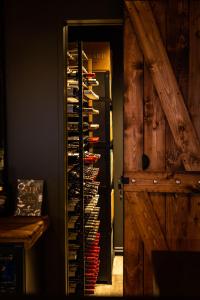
12,269
22,255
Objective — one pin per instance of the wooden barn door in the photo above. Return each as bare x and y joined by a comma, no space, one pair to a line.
161,135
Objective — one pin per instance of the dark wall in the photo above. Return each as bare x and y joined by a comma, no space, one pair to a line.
92,9
34,93
33,113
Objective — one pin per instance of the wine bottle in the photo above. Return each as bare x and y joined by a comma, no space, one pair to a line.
72,255
93,139
74,222
91,95
72,92
71,108
91,82
73,204
73,175
73,236
89,75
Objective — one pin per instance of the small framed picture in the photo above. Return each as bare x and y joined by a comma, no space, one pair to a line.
29,197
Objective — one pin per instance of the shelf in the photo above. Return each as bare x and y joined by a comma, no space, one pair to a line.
70,168
74,52
70,56
84,114
83,188
75,68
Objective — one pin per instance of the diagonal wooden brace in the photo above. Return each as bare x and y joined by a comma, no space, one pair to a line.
165,82
147,223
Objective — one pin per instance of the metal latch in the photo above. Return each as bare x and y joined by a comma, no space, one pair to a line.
122,180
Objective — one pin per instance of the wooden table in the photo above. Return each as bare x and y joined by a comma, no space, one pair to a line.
18,261
26,230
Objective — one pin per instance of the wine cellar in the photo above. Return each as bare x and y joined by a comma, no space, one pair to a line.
89,171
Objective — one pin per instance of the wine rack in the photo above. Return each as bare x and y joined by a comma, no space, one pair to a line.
82,176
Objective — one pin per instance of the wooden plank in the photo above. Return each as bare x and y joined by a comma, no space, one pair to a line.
194,74
165,82
173,154
177,206
133,149
133,253
163,182
183,211
180,221
154,142
193,233
178,42
147,222
154,126
177,49
154,119
183,215
26,230
192,240
133,101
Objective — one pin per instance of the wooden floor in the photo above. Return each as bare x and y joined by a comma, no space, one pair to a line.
116,289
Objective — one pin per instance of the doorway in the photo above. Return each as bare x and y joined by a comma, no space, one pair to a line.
97,40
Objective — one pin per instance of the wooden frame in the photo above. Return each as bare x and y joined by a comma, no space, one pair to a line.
161,201
165,82
163,182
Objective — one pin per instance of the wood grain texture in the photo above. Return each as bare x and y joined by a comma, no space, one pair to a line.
147,222
193,228
183,211
133,150
133,252
154,119
194,109
194,67
154,126
177,49
154,140
178,41
178,220
166,182
26,230
165,82
133,101
183,214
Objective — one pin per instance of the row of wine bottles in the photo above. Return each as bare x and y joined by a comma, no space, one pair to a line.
82,177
